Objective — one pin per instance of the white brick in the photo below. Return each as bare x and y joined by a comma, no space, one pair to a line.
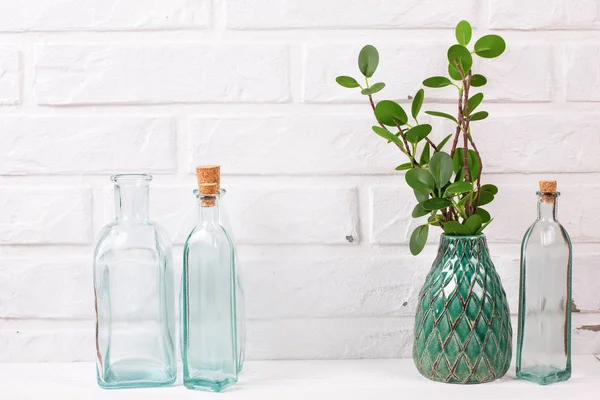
569,143
586,280
39,288
275,14
331,338
157,74
544,14
329,144
36,15
44,345
583,72
45,215
308,286
10,76
392,207
507,78
75,145
294,215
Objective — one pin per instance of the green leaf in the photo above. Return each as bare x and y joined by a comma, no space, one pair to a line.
425,154
485,198
478,116
485,216
443,142
473,224
404,167
418,133
440,167
472,162
347,82
474,166
441,114
417,103
474,101
493,189
490,46
459,187
437,82
368,60
462,55
419,211
437,203
478,80
390,113
434,220
377,87
455,229
388,135
453,72
421,197
463,33
418,239
420,180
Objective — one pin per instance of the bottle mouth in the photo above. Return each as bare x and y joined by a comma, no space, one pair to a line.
222,192
131,178
550,194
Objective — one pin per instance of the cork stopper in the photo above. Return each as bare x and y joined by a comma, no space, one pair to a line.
209,182
548,190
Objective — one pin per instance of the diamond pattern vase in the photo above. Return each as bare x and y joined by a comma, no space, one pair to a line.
463,332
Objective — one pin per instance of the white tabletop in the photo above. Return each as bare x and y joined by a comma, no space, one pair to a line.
290,380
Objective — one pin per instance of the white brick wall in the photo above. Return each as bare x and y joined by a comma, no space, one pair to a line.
93,87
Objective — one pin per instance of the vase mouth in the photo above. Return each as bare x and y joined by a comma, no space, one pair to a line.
459,237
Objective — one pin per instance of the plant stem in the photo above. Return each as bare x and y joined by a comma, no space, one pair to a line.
480,170
433,146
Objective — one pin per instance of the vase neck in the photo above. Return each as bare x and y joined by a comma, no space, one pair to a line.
470,246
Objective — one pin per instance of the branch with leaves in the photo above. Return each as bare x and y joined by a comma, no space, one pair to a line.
447,186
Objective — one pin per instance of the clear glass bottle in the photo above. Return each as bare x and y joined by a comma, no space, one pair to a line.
133,285
544,336
240,296
209,321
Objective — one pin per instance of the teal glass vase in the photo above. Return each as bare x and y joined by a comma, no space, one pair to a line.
463,332
545,292
209,285
133,287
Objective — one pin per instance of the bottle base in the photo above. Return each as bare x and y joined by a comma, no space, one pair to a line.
544,375
127,376
208,385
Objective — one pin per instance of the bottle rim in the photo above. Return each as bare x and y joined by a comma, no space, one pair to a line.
120,178
222,192
554,194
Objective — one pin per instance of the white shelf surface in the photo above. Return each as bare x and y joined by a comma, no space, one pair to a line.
291,380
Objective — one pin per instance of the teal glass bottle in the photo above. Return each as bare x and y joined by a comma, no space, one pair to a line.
209,320
240,296
133,286
545,290
463,332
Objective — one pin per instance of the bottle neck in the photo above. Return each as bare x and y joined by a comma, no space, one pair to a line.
208,209
131,201
547,207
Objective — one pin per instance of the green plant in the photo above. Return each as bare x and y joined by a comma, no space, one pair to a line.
447,186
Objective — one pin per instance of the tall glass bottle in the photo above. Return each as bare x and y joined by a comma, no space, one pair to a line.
544,336
209,321
133,285
240,296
